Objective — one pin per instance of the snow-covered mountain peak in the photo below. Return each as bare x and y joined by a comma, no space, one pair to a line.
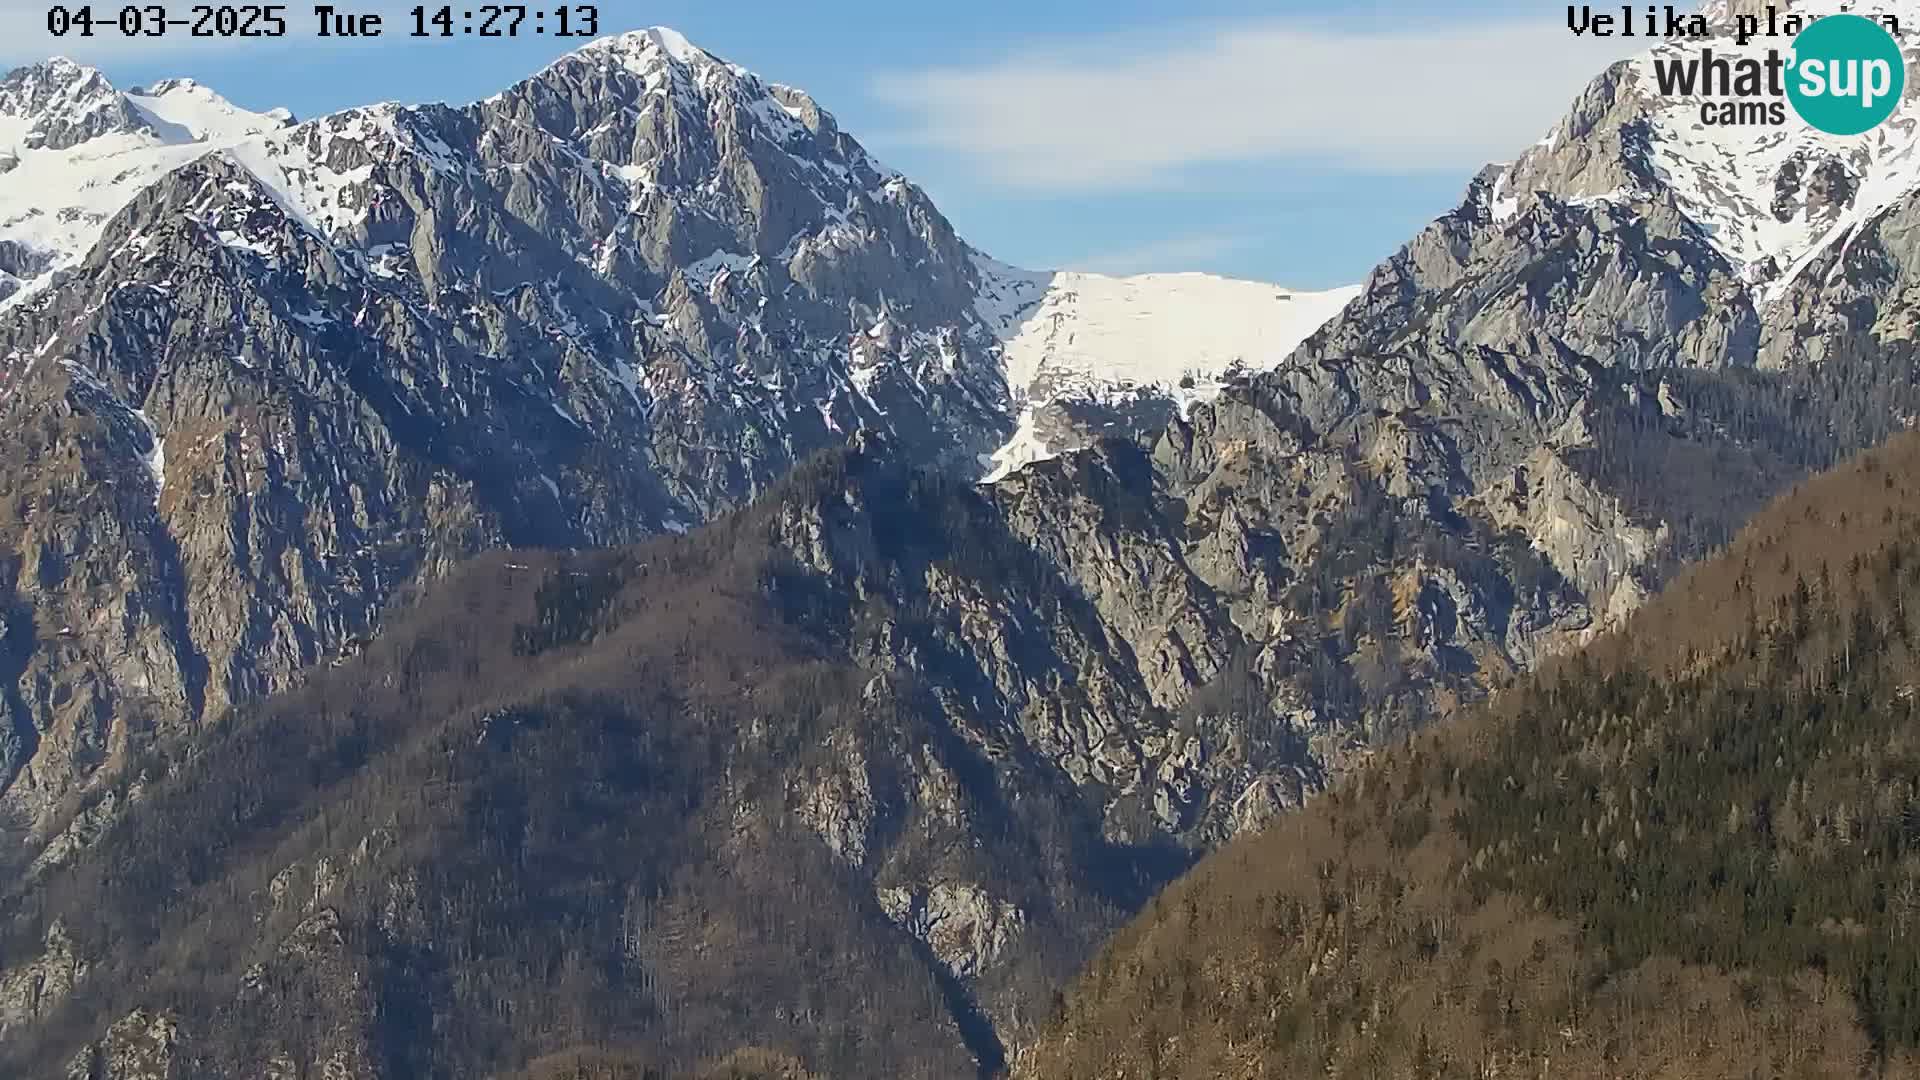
706,236
659,78
1093,343
74,150
57,104
196,113
621,296
749,218
663,41
657,54
1769,198
35,86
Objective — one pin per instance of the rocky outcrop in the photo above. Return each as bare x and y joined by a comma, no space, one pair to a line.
143,1046
30,991
965,926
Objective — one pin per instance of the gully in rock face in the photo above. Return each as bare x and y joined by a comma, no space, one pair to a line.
1670,21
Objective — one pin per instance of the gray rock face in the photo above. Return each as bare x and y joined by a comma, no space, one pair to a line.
1548,363
1545,401
310,369
140,1047
30,991
1050,703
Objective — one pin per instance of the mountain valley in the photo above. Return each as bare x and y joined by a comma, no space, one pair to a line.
606,579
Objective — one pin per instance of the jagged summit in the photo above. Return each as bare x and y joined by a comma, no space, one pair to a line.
57,104
662,40
53,71
656,52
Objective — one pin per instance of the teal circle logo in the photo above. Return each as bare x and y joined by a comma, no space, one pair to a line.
1847,74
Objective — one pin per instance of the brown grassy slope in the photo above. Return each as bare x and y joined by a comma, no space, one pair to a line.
1822,526
1689,853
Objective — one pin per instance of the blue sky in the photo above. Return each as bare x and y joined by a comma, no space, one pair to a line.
1295,141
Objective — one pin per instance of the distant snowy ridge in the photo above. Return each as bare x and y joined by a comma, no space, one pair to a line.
1095,339
74,151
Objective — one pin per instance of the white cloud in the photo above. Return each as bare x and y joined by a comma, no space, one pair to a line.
1136,111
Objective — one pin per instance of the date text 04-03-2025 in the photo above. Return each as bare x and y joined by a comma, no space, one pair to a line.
330,20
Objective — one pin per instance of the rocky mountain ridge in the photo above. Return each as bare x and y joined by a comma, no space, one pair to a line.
297,368
1601,296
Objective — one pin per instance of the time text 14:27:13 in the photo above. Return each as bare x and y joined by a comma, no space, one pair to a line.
506,20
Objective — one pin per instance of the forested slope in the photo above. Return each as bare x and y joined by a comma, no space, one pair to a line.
1693,850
